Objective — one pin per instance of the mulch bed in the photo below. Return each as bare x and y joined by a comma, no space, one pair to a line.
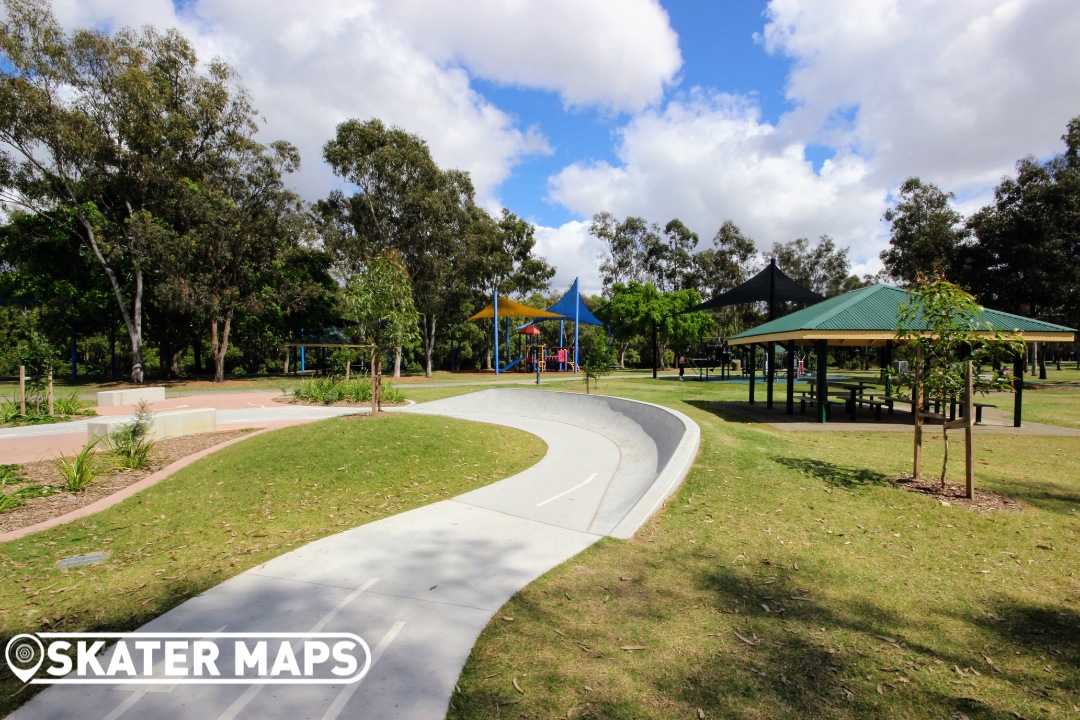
36,510
983,501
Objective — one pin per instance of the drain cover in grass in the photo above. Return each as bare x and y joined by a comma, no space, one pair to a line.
87,559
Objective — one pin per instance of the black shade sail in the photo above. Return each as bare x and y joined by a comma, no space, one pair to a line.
770,285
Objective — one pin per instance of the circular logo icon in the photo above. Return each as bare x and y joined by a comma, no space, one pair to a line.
24,655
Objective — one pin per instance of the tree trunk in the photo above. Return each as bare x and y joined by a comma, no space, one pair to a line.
945,459
133,319
174,363
622,354
219,345
397,362
376,380
429,342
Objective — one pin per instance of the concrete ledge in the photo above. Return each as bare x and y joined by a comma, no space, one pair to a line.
132,396
167,424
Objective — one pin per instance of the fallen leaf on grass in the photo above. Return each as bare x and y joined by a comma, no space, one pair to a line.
700,714
507,618
517,687
633,647
746,640
886,638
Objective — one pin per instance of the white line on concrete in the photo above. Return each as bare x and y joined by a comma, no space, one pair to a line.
124,706
242,702
567,492
343,697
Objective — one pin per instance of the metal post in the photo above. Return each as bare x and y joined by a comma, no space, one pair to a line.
753,371
821,349
791,377
888,367
577,314
770,370
1018,387
496,324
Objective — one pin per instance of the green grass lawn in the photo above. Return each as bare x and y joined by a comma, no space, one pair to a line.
240,507
790,577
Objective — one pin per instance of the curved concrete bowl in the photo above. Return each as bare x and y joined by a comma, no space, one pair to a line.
656,445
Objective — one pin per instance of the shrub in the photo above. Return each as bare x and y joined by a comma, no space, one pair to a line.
79,470
71,404
129,443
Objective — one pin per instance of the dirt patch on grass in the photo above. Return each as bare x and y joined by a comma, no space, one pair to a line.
984,500
61,502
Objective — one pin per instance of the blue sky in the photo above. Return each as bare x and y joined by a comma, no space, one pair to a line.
792,118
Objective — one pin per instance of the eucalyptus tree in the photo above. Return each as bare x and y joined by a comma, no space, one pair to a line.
927,234
624,245
728,263
502,258
239,225
97,130
402,200
821,267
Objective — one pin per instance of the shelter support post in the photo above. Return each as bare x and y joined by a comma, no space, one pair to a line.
753,371
770,373
887,365
791,378
821,349
1018,388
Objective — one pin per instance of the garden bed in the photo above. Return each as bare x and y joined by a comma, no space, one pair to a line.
60,501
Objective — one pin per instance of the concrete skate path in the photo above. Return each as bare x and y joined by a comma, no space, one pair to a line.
420,586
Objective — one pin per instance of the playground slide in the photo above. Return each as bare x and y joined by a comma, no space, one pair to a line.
510,366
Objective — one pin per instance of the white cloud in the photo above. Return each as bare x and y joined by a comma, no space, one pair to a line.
617,55
706,158
573,252
954,92
310,70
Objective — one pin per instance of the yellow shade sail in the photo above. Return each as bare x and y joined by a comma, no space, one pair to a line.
509,308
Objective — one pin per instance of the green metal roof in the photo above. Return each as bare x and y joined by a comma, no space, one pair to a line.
871,312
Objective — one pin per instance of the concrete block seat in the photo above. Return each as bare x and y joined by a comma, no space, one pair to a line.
165,424
130,396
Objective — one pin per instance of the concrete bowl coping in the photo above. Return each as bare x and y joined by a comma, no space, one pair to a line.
657,445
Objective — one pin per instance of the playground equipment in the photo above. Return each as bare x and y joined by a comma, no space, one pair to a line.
510,309
570,307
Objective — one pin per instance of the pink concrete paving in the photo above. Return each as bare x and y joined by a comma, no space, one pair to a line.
46,447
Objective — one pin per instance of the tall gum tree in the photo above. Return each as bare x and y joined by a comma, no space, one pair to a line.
100,129
402,201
